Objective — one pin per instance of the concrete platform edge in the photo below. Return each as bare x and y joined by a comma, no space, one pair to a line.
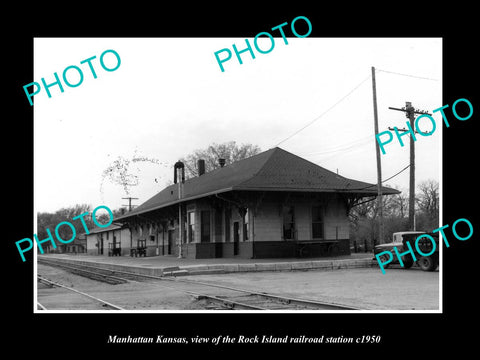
205,269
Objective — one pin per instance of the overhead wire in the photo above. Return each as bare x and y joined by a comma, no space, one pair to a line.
343,147
348,94
398,173
391,177
408,75
325,112
357,142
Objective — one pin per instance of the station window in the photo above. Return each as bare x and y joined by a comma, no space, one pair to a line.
288,223
218,223
317,222
185,225
245,225
191,226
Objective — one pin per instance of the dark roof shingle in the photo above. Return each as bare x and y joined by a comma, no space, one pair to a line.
271,170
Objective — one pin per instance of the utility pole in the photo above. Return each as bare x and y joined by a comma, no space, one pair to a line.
410,112
129,202
379,161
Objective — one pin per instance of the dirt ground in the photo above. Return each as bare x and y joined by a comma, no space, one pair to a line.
367,288
130,296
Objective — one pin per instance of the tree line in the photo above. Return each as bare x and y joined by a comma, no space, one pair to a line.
364,219
50,220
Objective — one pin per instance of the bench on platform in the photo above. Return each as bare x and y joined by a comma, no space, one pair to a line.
114,249
140,250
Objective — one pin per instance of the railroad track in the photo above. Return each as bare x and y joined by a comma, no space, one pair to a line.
103,305
218,296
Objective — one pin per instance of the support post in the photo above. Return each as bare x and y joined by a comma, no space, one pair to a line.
379,162
180,220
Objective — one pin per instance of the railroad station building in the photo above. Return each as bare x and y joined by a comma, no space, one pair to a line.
77,246
273,204
111,240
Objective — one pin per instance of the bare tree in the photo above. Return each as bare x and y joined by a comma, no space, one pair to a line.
428,204
364,220
428,199
50,221
401,204
229,151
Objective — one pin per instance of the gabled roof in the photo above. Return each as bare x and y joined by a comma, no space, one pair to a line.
271,170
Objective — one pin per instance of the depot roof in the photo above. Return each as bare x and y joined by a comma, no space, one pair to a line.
271,170
111,227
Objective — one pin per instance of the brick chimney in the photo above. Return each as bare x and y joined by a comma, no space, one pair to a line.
201,167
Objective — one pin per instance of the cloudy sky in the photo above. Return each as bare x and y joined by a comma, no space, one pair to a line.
169,98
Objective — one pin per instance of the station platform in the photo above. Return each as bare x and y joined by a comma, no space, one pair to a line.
174,266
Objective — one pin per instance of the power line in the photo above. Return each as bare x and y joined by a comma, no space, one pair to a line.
348,94
408,75
326,111
342,148
391,177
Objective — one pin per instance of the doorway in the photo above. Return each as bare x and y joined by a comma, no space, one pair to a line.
288,223
100,247
205,226
170,241
236,237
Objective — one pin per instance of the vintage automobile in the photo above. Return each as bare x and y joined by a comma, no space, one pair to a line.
426,263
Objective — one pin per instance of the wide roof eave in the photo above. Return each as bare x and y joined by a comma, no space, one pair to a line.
247,188
170,203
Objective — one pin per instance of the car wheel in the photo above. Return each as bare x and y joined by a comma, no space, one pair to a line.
426,263
384,259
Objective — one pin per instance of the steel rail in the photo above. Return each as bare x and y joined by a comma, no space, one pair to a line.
315,304
45,280
92,274
230,304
